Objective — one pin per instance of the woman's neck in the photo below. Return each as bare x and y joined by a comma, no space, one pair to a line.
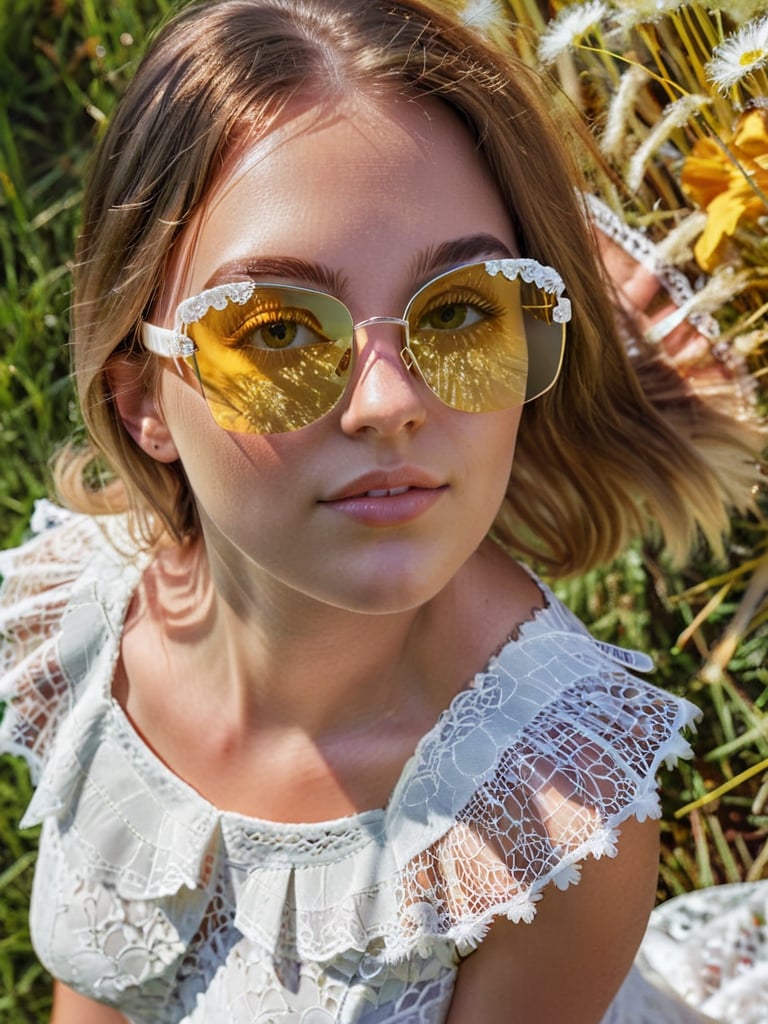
279,655
326,702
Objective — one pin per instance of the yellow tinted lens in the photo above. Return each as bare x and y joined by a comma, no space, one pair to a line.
545,339
277,362
473,338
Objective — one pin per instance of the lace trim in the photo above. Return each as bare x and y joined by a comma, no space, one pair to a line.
711,948
645,252
533,272
71,570
194,309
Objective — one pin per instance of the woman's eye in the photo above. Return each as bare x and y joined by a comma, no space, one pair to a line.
280,334
272,332
453,316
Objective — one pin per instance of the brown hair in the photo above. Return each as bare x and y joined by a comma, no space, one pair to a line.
595,464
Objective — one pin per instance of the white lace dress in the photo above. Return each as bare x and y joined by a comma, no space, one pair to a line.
150,899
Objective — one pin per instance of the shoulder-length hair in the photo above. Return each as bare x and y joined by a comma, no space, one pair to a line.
596,462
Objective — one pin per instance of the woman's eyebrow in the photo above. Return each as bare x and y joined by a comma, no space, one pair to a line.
302,273
317,275
458,251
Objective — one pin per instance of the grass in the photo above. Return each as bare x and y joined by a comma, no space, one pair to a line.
64,64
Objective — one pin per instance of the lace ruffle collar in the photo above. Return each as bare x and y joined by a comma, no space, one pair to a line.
498,800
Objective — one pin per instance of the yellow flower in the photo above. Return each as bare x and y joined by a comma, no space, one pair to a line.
729,183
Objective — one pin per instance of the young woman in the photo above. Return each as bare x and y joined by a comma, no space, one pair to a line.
310,744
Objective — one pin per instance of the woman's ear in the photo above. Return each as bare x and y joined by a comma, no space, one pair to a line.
139,409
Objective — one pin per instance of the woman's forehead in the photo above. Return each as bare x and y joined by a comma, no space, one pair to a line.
340,184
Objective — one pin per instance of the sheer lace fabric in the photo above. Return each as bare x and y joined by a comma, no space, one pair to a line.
149,898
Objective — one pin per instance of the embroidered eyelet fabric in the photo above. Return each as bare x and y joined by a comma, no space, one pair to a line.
150,899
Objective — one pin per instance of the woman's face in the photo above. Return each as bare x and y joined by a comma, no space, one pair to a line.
375,506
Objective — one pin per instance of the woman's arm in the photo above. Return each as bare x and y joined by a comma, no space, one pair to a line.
570,962
71,1008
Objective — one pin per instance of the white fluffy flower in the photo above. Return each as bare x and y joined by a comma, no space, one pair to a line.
739,55
482,15
621,108
749,343
676,115
568,28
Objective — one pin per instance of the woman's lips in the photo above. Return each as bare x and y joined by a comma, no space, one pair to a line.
392,492
387,499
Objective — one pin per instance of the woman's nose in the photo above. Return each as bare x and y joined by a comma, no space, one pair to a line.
383,395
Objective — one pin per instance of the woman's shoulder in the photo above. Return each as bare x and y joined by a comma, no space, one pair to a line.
552,747
63,593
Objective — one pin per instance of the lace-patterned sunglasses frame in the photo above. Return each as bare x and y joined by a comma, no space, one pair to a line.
271,358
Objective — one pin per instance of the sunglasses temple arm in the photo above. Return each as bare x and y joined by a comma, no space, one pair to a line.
164,342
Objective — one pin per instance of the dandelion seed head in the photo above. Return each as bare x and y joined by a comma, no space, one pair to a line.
615,137
677,247
676,115
569,27
482,15
748,344
739,55
724,285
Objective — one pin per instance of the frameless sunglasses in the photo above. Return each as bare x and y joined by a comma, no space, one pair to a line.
272,358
